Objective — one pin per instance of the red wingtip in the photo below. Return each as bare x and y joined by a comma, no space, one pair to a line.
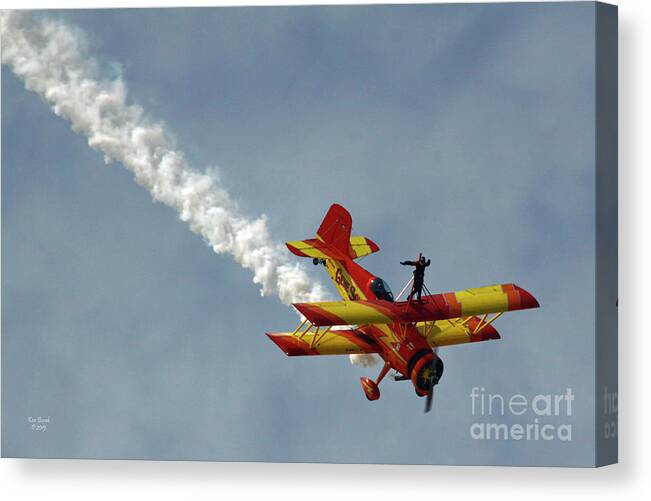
291,346
488,332
526,299
374,247
278,341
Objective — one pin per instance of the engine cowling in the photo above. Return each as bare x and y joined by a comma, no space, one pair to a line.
422,370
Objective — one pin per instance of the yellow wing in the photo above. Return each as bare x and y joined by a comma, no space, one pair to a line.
326,342
478,301
458,331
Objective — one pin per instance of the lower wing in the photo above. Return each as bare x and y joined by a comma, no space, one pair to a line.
457,331
328,342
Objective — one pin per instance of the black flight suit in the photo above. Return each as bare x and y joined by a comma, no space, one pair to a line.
419,276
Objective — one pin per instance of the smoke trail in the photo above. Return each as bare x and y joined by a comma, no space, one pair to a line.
49,57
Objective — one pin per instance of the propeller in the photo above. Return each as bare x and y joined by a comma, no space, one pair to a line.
431,383
430,392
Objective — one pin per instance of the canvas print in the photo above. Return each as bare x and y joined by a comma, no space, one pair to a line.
356,234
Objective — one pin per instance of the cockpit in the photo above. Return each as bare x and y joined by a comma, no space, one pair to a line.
381,289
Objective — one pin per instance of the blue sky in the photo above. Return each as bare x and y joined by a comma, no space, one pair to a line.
463,131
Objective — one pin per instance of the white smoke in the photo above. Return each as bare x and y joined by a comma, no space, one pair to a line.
49,57
364,359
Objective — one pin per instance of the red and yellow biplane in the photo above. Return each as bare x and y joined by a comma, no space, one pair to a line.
405,334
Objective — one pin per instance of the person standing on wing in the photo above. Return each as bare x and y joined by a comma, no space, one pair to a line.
419,275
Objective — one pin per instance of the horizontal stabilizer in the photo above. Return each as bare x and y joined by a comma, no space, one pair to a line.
333,239
315,248
362,246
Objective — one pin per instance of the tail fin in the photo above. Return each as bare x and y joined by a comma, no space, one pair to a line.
335,229
333,239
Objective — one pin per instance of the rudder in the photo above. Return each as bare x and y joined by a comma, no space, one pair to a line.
335,229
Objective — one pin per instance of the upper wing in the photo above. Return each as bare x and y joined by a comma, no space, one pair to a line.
469,302
339,342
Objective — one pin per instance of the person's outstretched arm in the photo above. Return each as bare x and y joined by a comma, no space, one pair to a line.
408,263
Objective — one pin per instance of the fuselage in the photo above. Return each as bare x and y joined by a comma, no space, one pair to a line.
400,345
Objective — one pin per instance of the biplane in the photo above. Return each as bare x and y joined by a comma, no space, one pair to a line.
369,320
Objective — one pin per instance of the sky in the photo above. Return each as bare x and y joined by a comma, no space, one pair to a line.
462,131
